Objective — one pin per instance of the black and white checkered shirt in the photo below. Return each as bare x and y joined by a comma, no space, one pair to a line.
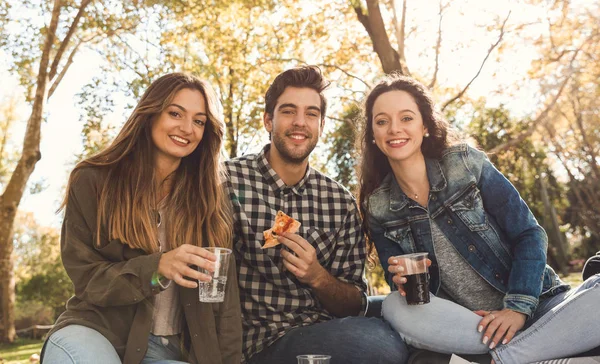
273,300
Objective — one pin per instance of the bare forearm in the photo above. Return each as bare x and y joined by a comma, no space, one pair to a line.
340,298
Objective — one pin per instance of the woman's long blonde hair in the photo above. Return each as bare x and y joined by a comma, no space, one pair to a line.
196,210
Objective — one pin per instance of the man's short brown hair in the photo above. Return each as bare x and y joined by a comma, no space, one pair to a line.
305,76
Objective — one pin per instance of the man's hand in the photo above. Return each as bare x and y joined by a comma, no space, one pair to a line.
303,262
499,324
175,265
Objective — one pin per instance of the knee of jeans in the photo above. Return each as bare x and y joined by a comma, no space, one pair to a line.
54,353
393,306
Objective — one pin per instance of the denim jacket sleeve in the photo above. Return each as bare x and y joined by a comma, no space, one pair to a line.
385,248
527,238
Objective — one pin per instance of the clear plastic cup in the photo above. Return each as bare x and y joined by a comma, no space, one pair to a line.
417,277
214,291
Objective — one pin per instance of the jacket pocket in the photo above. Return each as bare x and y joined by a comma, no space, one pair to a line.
402,235
470,210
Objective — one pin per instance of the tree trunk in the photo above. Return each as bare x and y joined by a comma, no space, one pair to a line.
230,125
556,240
7,284
374,25
10,199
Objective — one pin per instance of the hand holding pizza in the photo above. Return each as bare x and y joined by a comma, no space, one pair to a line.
303,263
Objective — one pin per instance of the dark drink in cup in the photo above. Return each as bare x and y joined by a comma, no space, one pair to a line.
417,277
417,288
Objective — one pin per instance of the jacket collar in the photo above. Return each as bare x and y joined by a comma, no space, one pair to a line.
437,182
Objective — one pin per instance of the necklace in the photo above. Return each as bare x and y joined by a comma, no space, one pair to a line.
413,193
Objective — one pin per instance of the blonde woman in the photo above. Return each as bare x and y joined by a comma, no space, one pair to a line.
138,216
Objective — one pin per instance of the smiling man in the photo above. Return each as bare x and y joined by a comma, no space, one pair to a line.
307,294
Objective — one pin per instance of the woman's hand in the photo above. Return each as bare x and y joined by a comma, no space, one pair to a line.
175,265
397,269
498,324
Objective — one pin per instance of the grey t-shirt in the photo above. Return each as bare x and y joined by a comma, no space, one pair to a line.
459,281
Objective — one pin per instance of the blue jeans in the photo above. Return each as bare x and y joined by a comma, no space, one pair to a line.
349,340
563,325
76,344
163,350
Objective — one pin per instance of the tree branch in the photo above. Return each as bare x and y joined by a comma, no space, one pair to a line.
362,18
134,51
10,199
438,45
373,23
64,70
544,113
345,72
401,35
65,42
492,47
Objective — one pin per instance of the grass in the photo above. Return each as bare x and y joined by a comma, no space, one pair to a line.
574,279
20,351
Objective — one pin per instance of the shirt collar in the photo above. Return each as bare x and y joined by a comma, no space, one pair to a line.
273,179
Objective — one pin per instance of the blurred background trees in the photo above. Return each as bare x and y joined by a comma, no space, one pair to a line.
520,77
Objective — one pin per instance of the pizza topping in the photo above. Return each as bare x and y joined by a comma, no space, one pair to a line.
283,224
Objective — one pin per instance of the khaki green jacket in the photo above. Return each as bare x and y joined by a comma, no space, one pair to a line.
114,294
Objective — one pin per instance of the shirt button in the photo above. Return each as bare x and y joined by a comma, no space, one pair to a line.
195,335
449,222
472,248
433,198
187,305
138,350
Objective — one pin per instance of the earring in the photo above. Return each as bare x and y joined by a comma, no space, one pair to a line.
426,135
373,141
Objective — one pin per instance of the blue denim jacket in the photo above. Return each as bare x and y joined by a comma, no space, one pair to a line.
481,214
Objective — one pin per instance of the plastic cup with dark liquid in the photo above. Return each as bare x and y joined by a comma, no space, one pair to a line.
417,277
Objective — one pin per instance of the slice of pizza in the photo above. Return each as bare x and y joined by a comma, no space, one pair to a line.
283,224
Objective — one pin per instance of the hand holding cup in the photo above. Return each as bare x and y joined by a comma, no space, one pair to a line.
414,267
175,265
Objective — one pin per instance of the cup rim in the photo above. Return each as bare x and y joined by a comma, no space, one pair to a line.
313,356
221,250
414,255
